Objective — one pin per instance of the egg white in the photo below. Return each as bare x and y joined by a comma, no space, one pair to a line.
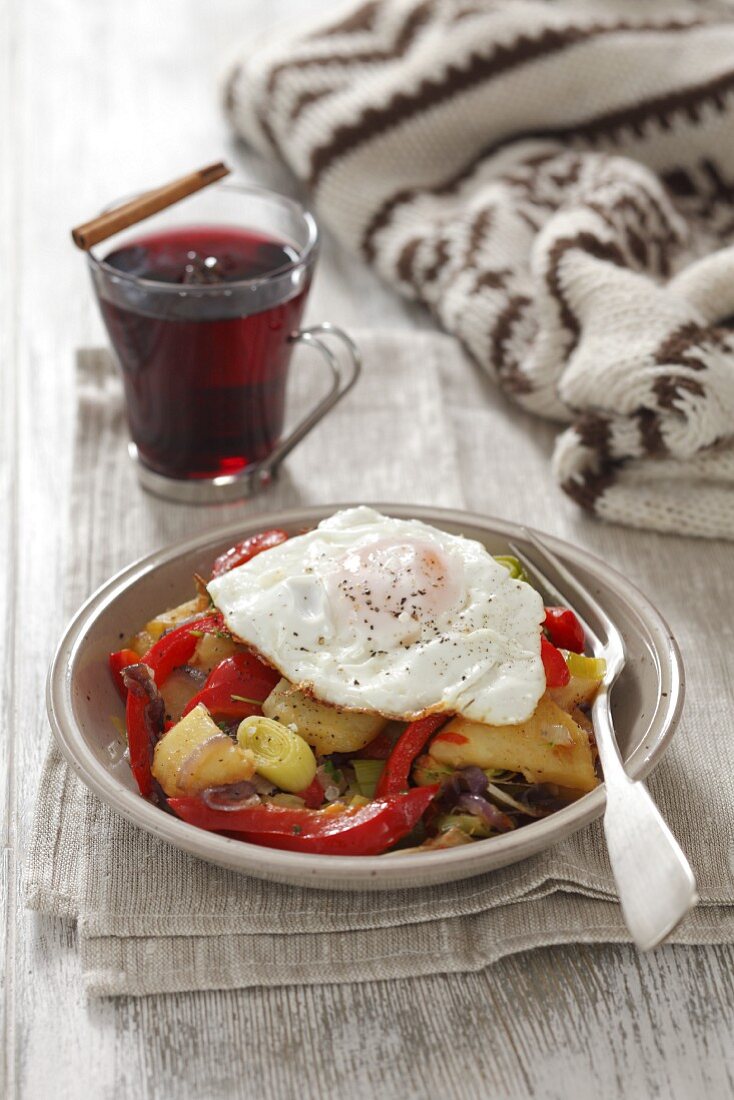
393,616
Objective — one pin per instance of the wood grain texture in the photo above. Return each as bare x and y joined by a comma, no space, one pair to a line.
98,100
8,542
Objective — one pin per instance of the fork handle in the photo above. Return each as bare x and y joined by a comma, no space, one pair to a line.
654,880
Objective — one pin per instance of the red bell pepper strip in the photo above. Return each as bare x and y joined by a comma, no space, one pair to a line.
236,687
379,749
144,718
452,738
564,629
247,549
177,646
556,669
118,661
313,795
145,710
368,831
408,746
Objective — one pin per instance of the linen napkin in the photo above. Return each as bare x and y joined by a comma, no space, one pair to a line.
422,426
554,182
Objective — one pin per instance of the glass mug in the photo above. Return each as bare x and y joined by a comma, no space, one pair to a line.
202,303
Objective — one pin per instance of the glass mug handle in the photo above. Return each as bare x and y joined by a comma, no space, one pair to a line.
343,377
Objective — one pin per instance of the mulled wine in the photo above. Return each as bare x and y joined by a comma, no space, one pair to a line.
201,318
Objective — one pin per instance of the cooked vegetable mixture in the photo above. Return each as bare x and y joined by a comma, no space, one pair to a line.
220,738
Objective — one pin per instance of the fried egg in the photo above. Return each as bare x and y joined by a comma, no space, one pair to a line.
392,616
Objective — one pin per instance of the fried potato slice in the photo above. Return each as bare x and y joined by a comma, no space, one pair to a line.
166,620
579,691
550,747
326,729
195,754
211,650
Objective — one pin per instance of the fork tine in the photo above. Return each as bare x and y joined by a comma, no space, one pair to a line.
591,615
550,588
581,593
552,592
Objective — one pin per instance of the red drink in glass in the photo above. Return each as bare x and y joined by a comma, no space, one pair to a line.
203,308
205,390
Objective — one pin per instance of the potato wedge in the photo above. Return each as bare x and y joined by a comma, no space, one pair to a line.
210,650
175,615
176,692
195,754
326,729
579,691
156,626
548,748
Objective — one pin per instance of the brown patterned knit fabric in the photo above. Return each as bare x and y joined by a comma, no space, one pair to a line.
555,182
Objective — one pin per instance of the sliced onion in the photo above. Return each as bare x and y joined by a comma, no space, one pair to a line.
190,620
262,785
473,779
190,765
507,800
556,734
234,796
544,796
331,788
525,807
138,680
198,675
451,789
480,807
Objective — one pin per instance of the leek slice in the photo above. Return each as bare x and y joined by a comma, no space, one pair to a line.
281,756
514,565
367,774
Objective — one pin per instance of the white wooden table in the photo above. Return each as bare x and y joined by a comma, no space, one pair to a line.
97,99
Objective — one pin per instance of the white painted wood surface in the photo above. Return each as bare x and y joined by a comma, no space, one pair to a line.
98,98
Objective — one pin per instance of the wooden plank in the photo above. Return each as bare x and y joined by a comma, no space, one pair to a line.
8,536
562,1023
85,131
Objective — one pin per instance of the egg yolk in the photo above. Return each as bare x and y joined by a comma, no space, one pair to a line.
396,589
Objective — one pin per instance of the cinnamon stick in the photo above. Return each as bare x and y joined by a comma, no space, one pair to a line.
150,202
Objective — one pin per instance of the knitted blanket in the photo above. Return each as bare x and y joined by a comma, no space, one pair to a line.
554,181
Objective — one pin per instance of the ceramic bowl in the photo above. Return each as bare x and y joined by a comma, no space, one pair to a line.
83,705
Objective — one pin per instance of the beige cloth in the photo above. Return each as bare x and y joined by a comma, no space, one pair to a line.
554,182
422,426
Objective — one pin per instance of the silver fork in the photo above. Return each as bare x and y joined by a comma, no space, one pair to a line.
654,880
